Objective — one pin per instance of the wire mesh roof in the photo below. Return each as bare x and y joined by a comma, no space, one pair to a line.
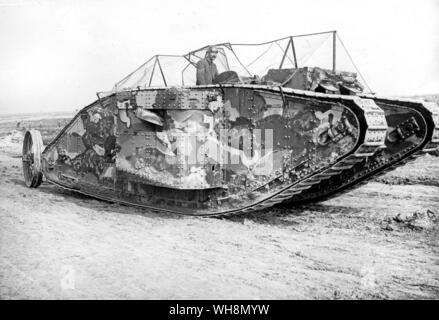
246,59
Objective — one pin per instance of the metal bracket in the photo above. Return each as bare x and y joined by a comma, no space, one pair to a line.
284,101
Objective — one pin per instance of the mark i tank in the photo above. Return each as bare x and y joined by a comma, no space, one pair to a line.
279,125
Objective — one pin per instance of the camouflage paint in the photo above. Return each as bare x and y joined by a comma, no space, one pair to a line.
210,148
86,151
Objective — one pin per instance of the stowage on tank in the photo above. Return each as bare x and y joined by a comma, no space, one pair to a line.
231,129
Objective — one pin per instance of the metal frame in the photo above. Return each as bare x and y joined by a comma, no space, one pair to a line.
334,50
188,56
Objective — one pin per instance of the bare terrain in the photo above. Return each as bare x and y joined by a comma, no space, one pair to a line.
380,241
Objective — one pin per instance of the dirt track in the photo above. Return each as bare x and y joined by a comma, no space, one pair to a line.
56,244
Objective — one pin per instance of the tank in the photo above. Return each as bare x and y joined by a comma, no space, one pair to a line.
276,126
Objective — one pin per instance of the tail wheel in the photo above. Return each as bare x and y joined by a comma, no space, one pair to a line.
32,150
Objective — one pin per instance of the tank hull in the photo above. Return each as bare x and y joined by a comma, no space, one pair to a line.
213,150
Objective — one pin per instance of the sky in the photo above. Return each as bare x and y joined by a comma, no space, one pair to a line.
55,55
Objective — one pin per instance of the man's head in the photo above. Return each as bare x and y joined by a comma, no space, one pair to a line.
211,53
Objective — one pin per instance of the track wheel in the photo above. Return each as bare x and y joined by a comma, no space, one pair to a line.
32,150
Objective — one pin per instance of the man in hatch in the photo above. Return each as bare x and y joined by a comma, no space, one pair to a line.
206,68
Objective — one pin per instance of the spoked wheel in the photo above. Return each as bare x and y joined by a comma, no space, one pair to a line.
32,150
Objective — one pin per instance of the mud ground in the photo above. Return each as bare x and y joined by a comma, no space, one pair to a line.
380,241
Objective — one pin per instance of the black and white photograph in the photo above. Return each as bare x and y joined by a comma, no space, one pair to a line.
219,151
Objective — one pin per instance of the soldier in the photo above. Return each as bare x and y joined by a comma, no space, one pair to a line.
206,68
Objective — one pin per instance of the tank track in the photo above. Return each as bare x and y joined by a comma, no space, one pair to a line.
354,180
371,141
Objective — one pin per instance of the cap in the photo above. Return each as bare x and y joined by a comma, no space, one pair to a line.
212,49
